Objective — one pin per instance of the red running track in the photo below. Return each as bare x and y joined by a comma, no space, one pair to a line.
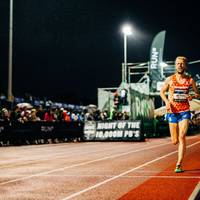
99,170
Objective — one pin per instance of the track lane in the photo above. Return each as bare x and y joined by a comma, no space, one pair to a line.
80,193
179,188
72,180
84,162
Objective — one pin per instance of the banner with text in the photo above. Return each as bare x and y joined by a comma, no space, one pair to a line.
156,59
113,131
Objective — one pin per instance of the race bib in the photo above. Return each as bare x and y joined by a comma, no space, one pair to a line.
180,94
180,97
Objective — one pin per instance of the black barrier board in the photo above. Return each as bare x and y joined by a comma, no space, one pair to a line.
123,130
17,131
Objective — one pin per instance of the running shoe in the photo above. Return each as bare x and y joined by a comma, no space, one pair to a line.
178,169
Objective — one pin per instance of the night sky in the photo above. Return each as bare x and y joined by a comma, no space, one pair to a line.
66,49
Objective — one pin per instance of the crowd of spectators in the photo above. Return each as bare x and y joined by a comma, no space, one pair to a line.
24,114
20,113
29,108
115,114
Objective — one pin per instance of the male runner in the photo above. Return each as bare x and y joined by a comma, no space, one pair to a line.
177,106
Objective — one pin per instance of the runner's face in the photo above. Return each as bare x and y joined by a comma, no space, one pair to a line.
180,66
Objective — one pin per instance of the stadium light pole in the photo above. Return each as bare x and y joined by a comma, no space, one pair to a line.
10,96
126,30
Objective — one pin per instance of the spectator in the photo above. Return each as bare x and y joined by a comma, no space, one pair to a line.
116,100
25,114
123,96
40,112
5,115
125,116
49,115
66,116
33,117
16,114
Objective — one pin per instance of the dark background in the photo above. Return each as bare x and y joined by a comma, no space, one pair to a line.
66,49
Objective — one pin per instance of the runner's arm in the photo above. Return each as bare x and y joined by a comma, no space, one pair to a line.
196,91
163,90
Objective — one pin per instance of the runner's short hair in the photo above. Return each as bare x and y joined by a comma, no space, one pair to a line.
182,58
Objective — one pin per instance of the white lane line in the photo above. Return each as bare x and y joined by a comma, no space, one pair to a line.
131,176
195,192
110,176
122,174
83,163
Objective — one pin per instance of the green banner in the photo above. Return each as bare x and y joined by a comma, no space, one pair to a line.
156,56
142,106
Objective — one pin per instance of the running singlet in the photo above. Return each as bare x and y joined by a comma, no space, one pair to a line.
178,93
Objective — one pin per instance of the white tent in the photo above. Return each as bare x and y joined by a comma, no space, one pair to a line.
27,105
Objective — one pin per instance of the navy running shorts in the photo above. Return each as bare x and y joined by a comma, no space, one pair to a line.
177,117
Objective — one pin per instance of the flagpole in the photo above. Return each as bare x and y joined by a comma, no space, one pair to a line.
10,96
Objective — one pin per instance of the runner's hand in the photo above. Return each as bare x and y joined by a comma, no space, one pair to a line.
190,97
168,106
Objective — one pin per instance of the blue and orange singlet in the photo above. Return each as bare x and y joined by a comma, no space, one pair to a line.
178,93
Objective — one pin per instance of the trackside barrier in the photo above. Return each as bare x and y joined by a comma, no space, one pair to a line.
162,128
149,128
122,130
30,131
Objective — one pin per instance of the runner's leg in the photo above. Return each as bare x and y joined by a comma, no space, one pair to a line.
173,128
183,127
